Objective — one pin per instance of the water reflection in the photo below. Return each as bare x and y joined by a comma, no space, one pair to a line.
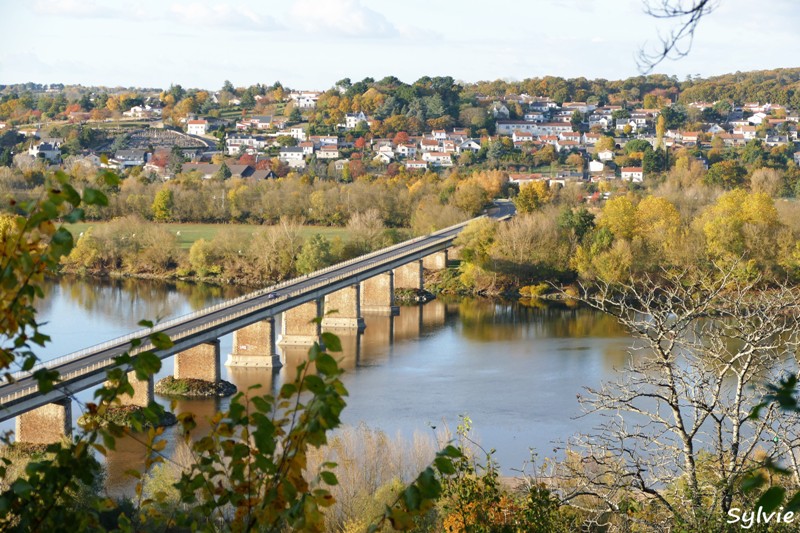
514,368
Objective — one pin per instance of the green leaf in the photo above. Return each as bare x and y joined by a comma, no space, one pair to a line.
752,482
771,499
793,504
326,364
329,477
62,237
21,487
161,340
444,465
331,342
94,197
76,215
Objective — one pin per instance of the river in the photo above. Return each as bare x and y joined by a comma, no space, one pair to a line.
514,369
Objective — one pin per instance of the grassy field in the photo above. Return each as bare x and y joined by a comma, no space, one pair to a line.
192,232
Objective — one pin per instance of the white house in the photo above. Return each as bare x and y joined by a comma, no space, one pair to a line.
298,132
305,100
384,157
322,140
234,144
596,166
605,155
328,151
469,145
522,137
416,164
429,145
634,174
407,150
46,150
292,156
534,116
197,127
351,120
307,147
797,157
130,158
438,158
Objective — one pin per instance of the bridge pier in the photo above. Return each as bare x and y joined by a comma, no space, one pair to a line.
142,391
435,261
199,362
409,276
343,309
45,425
299,326
254,346
377,295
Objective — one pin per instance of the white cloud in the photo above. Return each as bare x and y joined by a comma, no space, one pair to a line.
350,18
219,15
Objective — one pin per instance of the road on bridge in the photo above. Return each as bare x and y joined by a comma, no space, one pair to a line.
88,368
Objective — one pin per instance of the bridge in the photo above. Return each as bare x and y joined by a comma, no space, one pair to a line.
340,293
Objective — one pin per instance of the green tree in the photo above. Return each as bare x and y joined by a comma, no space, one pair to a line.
163,203
728,174
315,254
223,173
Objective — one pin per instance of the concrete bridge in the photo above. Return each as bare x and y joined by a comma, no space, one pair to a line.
341,294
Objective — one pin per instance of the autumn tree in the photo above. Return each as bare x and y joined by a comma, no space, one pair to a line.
163,203
532,196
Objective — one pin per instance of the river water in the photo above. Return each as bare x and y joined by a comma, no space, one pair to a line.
514,369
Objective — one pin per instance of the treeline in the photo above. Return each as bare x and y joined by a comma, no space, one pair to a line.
429,102
632,235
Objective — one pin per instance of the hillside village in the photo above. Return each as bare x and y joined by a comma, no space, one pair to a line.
531,137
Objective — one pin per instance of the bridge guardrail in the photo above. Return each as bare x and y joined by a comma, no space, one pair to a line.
145,332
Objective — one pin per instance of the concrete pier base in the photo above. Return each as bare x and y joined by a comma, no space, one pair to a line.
254,346
299,326
377,295
409,276
437,261
343,310
45,425
199,362
142,389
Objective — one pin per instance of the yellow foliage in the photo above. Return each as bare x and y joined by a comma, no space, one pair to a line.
619,216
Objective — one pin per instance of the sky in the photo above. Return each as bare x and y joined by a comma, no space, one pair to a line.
311,44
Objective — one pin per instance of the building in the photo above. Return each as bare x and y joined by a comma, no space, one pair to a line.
197,127
634,174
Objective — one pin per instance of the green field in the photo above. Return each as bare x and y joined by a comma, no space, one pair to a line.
192,232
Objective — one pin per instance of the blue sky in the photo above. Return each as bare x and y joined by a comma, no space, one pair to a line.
310,44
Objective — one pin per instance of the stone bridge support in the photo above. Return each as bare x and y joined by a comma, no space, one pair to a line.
409,276
436,261
142,391
199,362
343,309
377,295
299,327
254,346
45,425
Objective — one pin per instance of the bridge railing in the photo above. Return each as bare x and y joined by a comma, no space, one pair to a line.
163,326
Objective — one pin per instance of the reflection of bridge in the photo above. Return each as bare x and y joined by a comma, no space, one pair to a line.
340,293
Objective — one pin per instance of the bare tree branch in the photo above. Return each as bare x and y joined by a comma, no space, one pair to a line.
678,42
